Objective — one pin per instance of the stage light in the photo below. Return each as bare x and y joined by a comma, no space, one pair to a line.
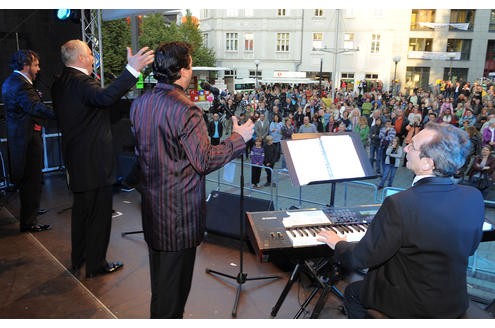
72,15
63,14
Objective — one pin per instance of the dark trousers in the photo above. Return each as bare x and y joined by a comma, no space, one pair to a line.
30,182
171,277
215,141
255,174
90,230
352,300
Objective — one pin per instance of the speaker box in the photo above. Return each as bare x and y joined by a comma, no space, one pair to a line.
223,213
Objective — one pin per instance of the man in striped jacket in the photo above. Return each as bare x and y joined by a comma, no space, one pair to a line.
175,154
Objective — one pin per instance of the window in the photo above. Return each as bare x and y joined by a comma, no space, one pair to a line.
252,73
419,16
460,16
229,73
420,44
375,43
371,76
460,45
317,40
232,12
249,42
231,42
283,42
417,77
491,27
348,40
318,12
281,12
347,75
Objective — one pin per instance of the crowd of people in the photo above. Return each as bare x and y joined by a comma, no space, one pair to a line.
385,122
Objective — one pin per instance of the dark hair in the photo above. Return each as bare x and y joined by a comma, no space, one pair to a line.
22,58
170,58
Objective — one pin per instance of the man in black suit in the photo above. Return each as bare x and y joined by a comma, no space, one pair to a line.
25,113
417,247
82,109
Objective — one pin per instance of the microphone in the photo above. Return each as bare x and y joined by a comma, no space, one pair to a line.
208,87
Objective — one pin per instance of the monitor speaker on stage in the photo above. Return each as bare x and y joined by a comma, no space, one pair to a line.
222,212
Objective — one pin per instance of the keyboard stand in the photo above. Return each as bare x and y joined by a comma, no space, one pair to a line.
325,284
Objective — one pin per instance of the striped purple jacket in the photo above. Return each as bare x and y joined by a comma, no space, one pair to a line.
175,154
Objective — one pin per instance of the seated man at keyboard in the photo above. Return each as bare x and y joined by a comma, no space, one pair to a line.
418,244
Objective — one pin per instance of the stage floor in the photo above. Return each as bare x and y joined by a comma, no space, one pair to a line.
35,281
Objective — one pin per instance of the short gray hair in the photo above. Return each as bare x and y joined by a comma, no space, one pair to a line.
70,50
448,149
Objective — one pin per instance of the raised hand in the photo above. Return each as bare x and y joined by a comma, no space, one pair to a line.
141,59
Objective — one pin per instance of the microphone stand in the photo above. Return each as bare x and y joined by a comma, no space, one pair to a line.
241,277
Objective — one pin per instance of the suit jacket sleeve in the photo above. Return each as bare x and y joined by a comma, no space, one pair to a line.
31,103
95,96
381,241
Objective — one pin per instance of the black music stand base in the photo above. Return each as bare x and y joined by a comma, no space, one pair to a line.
241,278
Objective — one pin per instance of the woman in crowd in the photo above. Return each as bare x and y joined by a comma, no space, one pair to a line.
393,158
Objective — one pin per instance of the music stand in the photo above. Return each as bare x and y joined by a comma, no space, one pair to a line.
241,277
316,158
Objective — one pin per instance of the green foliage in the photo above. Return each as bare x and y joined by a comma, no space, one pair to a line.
116,36
154,30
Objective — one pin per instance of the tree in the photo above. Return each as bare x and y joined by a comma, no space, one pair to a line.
155,31
116,36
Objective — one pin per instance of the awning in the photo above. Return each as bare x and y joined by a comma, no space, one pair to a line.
289,80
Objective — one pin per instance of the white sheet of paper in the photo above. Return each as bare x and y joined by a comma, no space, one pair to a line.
309,161
299,218
342,157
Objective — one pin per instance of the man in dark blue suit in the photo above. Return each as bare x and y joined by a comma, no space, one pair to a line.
83,107
417,247
25,114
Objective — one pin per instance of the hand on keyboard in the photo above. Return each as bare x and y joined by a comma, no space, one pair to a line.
330,238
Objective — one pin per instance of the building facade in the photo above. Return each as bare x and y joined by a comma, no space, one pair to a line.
413,47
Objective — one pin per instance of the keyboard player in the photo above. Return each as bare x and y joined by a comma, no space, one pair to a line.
417,246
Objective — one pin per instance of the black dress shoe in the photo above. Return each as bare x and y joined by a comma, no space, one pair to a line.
35,228
42,211
111,267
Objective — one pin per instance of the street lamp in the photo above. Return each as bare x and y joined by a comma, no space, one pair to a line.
256,62
451,56
396,60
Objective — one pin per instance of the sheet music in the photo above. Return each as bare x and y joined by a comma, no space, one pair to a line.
300,218
347,165
309,160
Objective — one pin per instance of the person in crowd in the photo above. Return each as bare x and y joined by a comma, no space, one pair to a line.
287,131
276,134
468,117
272,155
262,127
483,168
307,127
387,134
215,130
318,123
393,157
26,112
298,118
406,258
489,133
363,130
175,155
375,145
82,108
257,156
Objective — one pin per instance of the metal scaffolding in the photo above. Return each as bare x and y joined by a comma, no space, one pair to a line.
91,34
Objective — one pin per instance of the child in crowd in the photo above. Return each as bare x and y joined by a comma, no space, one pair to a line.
257,157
